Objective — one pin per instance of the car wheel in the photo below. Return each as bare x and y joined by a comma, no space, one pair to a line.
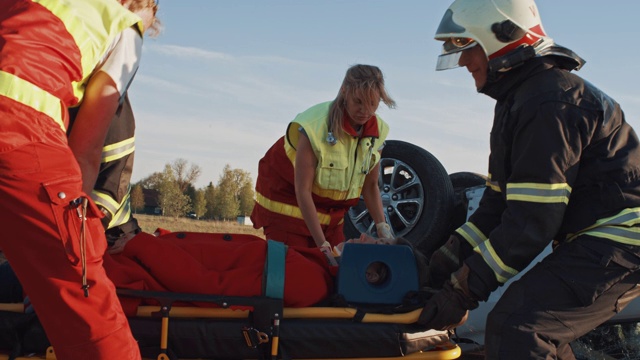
417,198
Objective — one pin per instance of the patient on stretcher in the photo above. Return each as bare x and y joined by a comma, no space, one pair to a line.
221,264
217,264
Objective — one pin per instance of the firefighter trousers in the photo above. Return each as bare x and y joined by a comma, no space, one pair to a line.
579,286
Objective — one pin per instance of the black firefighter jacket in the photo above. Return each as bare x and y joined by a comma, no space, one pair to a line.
563,163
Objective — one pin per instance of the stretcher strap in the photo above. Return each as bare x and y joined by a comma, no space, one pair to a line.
274,269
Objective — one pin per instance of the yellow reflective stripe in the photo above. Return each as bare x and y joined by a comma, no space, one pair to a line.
93,31
629,236
335,194
539,193
76,28
118,150
105,200
622,227
471,233
493,185
287,210
123,214
31,95
502,272
626,217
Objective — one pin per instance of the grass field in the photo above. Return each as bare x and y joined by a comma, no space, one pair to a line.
149,223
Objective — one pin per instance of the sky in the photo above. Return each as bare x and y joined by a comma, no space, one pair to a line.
221,82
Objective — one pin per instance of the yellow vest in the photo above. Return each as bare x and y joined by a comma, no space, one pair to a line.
93,25
342,167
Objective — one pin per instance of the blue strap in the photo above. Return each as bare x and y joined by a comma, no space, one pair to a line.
274,269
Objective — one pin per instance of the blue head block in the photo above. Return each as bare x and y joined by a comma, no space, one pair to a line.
394,265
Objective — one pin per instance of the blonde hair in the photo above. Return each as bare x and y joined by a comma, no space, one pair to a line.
136,5
364,81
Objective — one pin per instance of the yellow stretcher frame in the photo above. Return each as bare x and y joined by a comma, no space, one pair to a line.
445,351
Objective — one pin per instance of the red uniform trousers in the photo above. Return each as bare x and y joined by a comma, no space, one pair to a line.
39,180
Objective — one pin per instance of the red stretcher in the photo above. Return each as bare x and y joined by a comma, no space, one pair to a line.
261,327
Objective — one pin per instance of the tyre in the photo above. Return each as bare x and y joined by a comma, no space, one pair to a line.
417,197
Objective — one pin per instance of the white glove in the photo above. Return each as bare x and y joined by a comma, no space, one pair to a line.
325,248
384,230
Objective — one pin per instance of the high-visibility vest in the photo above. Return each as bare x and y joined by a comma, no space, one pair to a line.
53,48
340,173
343,166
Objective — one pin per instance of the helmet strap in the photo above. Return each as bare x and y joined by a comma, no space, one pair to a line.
509,61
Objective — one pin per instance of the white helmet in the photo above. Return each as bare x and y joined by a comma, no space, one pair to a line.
498,26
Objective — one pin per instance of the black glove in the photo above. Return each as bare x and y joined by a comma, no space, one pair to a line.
447,259
449,307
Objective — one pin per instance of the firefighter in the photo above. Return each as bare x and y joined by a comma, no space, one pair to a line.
564,169
52,56
112,190
329,156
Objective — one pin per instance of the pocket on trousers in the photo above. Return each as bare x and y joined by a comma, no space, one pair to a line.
65,198
599,267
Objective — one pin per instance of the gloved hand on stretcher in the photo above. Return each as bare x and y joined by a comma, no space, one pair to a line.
447,260
449,307
336,251
118,245
329,253
384,231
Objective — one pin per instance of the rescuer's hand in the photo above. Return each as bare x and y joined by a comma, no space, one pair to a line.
328,253
118,245
384,230
449,307
447,259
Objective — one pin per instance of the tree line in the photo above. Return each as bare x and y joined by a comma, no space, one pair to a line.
232,196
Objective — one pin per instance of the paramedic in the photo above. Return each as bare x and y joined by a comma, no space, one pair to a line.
55,243
564,169
328,157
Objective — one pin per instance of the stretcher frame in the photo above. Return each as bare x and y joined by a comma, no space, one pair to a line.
263,316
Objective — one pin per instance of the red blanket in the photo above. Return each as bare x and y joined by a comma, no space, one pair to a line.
216,264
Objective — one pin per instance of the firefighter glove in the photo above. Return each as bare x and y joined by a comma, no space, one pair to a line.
447,259
449,307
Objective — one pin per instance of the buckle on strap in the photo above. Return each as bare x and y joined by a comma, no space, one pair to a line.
253,337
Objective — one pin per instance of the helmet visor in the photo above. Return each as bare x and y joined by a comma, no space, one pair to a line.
452,50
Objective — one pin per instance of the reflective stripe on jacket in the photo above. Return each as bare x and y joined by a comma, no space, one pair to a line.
38,32
342,167
563,163
339,174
